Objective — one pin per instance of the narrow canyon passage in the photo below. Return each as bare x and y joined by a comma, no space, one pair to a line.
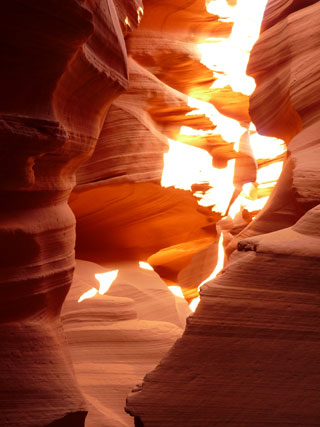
160,224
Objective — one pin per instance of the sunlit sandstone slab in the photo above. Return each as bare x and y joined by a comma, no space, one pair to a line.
183,20
113,342
133,221
281,210
175,62
187,264
302,239
134,134
252,344
55,90
230,103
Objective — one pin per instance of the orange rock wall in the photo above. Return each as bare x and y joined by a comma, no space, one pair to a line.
64,63
249,354
132,216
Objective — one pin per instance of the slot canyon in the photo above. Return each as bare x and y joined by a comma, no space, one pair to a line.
160,213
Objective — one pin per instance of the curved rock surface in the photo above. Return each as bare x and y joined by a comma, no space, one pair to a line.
286,58
164,68
117,337
252,345
73,56
135,220
62,57
291,63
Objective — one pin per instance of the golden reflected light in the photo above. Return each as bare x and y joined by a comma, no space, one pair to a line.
140,13
194,304
231,56
106,280
127,22
89,294
145,265
184,165
219,265
228,59
176,290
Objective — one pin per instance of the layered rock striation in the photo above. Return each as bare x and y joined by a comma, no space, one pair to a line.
121,209
248,355
114,339
285,105
65,63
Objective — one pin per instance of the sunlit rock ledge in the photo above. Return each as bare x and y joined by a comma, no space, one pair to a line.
135,220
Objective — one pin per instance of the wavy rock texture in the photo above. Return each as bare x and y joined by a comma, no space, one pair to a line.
284,58
122,211
253,342
127,221
164,69
116,338
252,345
65,63
294,67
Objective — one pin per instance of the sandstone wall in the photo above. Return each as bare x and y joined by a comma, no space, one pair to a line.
121,209
64,63
249,354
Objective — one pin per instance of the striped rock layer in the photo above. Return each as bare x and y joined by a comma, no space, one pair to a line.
132,216
56,88
249,354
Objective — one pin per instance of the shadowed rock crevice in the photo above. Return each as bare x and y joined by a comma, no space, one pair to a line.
76,419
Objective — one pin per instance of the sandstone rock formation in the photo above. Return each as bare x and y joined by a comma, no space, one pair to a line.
290,112
65,63
122,211
117,337
164,68
252,345
254,338
135,220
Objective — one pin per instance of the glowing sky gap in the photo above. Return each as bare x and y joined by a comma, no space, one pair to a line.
231,57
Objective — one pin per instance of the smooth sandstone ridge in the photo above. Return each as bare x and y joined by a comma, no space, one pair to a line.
249,354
